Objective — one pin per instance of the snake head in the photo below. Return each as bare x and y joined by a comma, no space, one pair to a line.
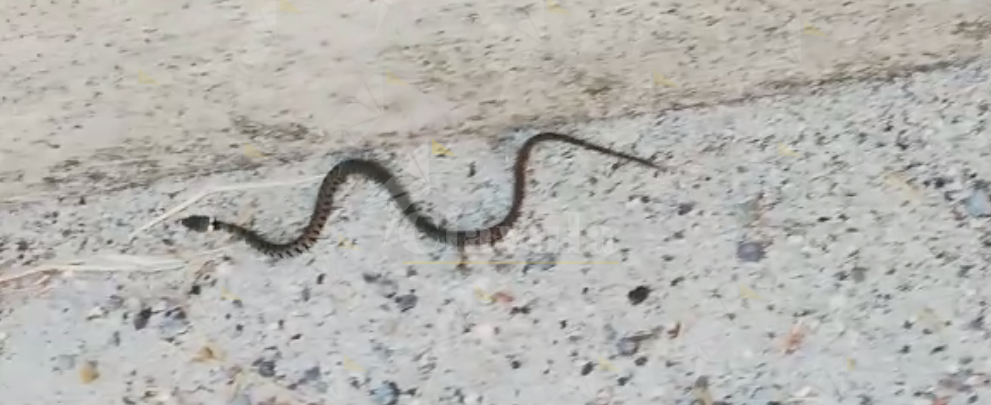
198,223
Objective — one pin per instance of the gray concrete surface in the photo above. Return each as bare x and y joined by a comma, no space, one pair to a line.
827,248
106,93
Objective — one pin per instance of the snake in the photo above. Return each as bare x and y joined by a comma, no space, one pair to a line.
378,173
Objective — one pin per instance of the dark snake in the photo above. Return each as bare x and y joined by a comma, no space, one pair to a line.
378,173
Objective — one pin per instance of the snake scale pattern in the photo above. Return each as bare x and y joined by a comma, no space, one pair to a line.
378,173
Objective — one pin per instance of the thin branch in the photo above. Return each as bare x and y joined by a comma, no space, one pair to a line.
123,263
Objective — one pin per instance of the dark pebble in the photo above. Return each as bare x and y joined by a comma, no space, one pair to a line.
542,262
587,368
685,208
859,274
627,346
266,368
141,319
525,310
750,252
311,374
406,302
638,295
977,323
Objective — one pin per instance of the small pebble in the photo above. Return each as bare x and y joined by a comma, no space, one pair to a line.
65,362
311,374
541,262
751,252
171,328
406,302
88,372
859,274
627,346
977,204
386,394
266,368
142,317
386,288
638,295
96,312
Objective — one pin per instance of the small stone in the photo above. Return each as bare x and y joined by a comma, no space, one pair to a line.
541,262
859,274
142,317
96,312
173,324
587,368
266,368
311,374
386,394
638,295
206,353
115,302
977,204
627,346
88,372
406,302
386,287
685,208
751,252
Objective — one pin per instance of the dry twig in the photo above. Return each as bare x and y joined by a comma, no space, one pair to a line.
108,263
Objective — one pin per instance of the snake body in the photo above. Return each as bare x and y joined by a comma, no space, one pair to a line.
378,173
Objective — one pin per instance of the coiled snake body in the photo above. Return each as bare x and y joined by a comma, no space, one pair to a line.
380,174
